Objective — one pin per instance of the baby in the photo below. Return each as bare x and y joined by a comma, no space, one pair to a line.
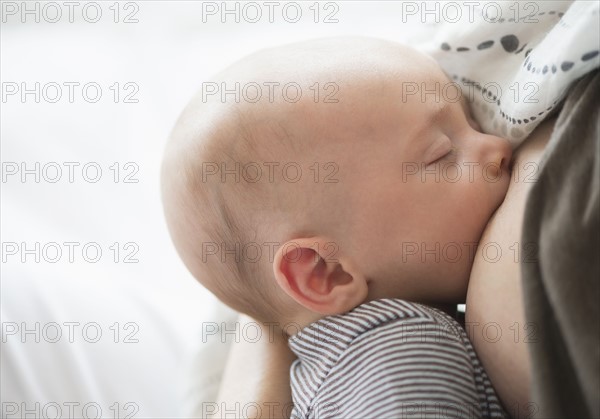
340,186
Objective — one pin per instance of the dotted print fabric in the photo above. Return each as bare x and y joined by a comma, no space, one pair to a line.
515,71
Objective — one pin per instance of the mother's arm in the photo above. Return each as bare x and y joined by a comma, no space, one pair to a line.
257,375
495,319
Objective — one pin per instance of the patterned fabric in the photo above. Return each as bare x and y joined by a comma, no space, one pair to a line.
515,61
389,358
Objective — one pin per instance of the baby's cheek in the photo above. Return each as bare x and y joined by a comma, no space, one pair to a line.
471,212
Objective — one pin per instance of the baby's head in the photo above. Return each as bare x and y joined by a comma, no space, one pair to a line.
357,175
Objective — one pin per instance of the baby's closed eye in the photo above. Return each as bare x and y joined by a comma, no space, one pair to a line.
450,156
440,148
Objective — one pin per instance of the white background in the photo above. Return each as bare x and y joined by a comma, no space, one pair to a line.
167,54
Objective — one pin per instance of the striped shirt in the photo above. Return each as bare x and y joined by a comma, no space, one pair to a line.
389,358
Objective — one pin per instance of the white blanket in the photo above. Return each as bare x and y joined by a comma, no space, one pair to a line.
516,71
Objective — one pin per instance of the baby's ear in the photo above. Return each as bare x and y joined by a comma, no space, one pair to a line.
307,269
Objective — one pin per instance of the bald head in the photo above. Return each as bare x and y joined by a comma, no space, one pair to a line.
247,161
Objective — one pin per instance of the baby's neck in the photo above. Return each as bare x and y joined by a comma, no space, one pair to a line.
291,327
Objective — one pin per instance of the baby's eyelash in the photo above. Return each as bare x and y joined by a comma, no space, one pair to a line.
449,155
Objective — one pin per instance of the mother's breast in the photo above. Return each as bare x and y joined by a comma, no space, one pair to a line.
495,319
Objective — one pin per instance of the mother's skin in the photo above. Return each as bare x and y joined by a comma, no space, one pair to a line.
257,373
495,319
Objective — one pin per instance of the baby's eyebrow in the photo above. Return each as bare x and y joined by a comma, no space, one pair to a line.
434,115
437,114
